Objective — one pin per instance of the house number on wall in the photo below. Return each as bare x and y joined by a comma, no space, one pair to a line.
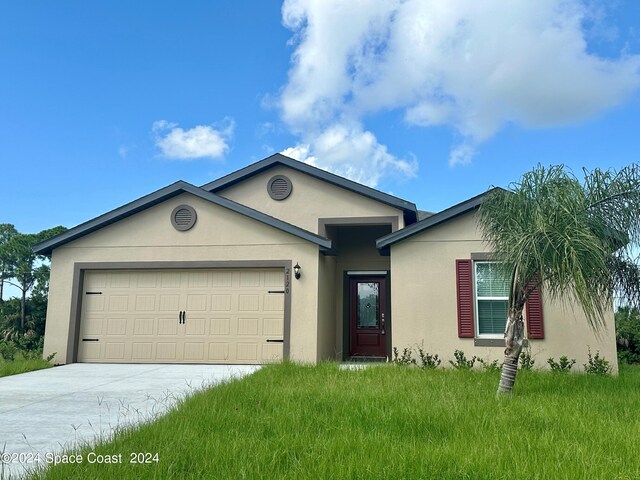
287,279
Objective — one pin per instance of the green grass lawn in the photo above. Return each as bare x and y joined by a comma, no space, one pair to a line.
299,422
21,365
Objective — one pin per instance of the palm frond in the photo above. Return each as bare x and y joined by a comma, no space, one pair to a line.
574,235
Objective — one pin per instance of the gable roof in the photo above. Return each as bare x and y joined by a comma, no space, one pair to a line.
433,220
409,209
170,191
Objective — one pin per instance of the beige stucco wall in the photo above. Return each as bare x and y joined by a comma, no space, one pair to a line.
219,235
326,308
328,201
423,293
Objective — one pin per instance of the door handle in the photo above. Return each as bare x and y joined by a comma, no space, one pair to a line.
184,317
382,324
181,317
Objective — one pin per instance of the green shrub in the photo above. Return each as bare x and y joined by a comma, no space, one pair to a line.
8,350
427,360
462,363
563,365
405,359
596,365
494,366
526,362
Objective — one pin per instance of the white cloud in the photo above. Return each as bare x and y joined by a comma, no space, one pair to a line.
201,141
353,153
472,66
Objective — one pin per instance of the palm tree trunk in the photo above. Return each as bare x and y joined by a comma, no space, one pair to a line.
514,341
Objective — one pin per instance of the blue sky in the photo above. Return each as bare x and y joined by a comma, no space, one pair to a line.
433,101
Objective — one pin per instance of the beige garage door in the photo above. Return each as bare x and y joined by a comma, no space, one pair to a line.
182,316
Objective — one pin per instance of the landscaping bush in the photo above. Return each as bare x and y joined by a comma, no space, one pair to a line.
526,361
462,363
596,365
563,365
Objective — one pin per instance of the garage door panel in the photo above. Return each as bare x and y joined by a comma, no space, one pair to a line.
117,326
248,326
142,351
198,279
273,303
218,352
145,303
147,280
194,351
94,303
274,279
170,279
114,351
208,316
197,302
247,352
195,325
220,326
223,278
221,303
271,352
272,327
118,303
166,351
90,351
143,327
248,303
119,280
169,302
168,326
92,326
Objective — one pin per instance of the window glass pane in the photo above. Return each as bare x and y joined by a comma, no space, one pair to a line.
492,316
368,305
492,280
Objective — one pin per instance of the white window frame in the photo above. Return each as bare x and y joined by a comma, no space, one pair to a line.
476,310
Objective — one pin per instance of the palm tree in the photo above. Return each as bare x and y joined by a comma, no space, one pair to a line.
574,240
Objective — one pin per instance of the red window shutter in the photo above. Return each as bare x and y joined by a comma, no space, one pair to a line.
535,323
464,288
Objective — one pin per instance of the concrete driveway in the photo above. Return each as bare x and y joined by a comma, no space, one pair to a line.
47,411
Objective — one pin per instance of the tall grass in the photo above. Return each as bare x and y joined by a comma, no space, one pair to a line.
302,422
21,365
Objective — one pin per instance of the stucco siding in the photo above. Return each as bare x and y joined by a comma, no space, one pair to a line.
326,311
219,235
327,200
423,294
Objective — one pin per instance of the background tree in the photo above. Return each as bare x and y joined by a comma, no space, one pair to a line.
24,267
7,232
628,334
571,239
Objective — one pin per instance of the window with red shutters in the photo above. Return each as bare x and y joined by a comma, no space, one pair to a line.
464,288
535,322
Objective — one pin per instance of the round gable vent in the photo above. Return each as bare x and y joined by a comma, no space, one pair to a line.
183,217
279,187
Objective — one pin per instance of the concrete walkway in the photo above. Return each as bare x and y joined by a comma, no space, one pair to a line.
47,411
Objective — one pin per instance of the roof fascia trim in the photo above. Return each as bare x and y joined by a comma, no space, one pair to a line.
430,222
159,196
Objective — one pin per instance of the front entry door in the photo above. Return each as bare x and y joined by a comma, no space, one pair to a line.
367,311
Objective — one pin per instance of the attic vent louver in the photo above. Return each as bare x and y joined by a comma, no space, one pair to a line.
183,217
279,187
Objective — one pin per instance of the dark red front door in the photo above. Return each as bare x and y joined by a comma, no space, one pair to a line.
367,312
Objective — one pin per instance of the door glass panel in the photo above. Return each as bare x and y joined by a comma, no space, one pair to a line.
368,301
